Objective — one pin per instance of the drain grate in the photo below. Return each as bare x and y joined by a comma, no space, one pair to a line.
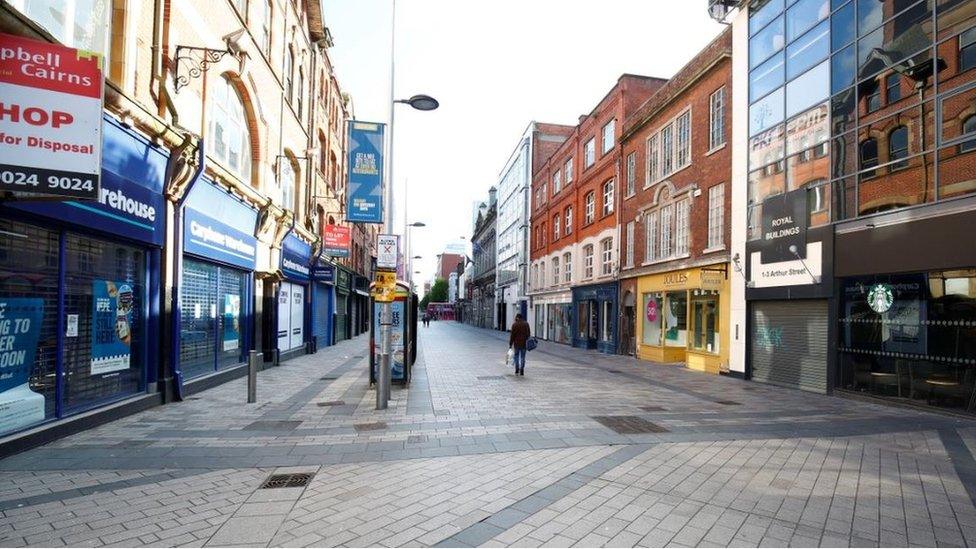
615,371
332,403
290,480
489,378
416,439
629,425
328,378
272,426
375,426
727,402
652,408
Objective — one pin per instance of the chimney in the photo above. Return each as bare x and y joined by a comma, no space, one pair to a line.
491,196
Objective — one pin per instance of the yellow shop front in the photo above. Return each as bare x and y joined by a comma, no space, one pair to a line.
685,317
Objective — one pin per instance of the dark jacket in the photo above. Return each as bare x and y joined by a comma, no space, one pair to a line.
519,334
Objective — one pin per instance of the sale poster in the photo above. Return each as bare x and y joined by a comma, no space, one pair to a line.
20,328
111,326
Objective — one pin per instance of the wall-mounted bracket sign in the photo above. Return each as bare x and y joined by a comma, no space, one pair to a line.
50,119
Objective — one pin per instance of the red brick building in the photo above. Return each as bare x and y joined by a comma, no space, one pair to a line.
573,264
674,216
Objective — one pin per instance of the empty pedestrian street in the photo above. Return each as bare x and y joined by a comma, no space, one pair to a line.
586,449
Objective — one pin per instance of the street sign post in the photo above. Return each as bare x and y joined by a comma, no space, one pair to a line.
387,251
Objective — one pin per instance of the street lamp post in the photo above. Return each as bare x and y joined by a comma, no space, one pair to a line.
421,103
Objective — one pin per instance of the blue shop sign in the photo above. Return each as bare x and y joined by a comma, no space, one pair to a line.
296,256
130,201
219,226
323,272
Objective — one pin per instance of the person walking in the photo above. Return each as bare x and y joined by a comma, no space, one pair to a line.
517,340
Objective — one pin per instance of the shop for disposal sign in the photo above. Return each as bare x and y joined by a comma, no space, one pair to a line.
50,116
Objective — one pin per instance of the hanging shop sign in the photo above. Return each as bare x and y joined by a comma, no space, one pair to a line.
50,119
111,326
365,190
335,240
296,256
323,272
20,329
387,251
219,227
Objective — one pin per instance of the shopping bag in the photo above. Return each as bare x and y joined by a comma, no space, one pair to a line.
531,344
509,356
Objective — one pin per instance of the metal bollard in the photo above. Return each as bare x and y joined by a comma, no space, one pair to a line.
252,376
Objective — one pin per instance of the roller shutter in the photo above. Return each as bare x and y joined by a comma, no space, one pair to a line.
321,328
789,343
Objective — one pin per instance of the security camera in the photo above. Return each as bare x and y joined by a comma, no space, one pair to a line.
234,42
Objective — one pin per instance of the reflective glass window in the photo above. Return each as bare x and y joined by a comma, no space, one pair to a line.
868,154
954,16
766,42
969,128
900,38
767,147
842,111
766,77
803,15
843,154
763,13
892,88
809,50
967,49
766,112
842,28
676,319
810,88
957,167
898,147
843,68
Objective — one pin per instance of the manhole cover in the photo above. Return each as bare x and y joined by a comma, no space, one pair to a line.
727,402
652,408
272,426
489,378
332,403
375,426
416,439
629,425
291,480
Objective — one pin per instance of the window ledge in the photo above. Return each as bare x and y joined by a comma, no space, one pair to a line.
720,248
715,150
666,259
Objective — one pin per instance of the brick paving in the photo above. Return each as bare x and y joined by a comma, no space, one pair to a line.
470,455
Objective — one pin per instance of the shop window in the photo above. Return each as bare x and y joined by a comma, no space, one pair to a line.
898,147
107,292
230,296
29,279
82,24
651,331
229,140
212,305
676,319
606,334
705,321
868,154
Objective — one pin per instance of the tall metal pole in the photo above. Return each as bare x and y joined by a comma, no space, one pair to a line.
386,312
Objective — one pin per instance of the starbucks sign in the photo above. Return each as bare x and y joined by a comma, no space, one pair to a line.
880,298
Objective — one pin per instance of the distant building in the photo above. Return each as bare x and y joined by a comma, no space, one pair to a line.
447,263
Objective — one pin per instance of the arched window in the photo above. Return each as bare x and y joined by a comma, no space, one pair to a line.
229,141
969,128
286,179
869,156
898,147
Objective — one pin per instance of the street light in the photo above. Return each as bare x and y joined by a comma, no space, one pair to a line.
421,103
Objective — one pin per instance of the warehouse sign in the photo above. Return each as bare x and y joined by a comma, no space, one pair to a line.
50,119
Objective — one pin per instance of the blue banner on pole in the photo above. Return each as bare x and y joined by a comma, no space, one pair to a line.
365,202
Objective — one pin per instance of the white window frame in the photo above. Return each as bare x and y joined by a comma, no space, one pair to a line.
569,220
557,182
567,267
667,229
631,175
606,256
629,257
716,119
590,202
651,224
716,217
669,149
555,271
555,227
608,197
666,245
227,110
568,168
542,274
587,261
681,234
607,140
287,180
589,153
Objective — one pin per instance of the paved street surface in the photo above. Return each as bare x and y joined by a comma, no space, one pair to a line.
585,450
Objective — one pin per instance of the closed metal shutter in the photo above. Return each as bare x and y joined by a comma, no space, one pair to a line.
320,316
789,343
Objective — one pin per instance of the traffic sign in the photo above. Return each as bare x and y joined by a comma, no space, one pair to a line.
387,251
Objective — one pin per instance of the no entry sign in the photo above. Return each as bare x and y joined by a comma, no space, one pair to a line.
50,119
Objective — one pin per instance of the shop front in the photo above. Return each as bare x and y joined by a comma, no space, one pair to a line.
553,317
360,299
79,290
595,320
343,304
216,282
293,297
323,302
684,317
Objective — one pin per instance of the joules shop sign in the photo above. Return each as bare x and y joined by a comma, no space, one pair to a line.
50,119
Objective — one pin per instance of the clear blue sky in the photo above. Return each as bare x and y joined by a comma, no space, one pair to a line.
494,66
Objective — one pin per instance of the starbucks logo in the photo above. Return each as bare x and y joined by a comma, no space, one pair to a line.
880,298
